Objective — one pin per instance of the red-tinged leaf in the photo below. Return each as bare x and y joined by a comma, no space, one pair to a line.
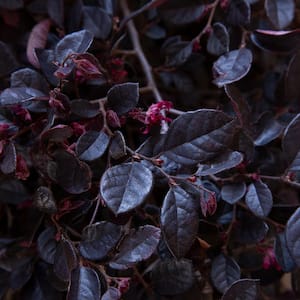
208,202
246,289
224,272
139,245
179,220
85,285
259,199
232,66
37,39
283,42
280,12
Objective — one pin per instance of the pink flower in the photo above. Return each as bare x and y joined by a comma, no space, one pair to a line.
155,115
269,260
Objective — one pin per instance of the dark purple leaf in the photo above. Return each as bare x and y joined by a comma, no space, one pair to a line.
292,92
76,42
57,134
8,159
56,11
259,198
8,62
225,161
98,239
92,145
12,191
44,200
138,245
18,95
250,229
37,40
187,143
280,12
292,235
111,294
232,66
233,192
70,173
172,276
11,4
47,245
83,108
238,12
282,253
156,32
97,21
21,274
123,97
65,259
46,59
296,282
85,285
246,289
183,15
176,51
291,143
277,41
117,147
179,220
218,41
126,186
269,129
224,272
27,77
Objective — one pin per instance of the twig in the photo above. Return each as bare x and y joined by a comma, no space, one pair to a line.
95,210
134,36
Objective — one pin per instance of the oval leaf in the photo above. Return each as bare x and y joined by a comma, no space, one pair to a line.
282,253
126,186
218,41
46,245
172,276
83,108
233,192
76,42
221,163
123,97
98,239
85,285
8,160
65,259
291,141
137,246
92,145
292,235
259,199
239,12
232,66
188,143
280,12
277,41
179,220
224,272
246,289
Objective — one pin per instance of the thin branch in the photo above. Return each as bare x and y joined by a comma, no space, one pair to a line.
147,69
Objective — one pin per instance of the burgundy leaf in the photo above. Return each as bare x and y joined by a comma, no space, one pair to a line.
37,39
